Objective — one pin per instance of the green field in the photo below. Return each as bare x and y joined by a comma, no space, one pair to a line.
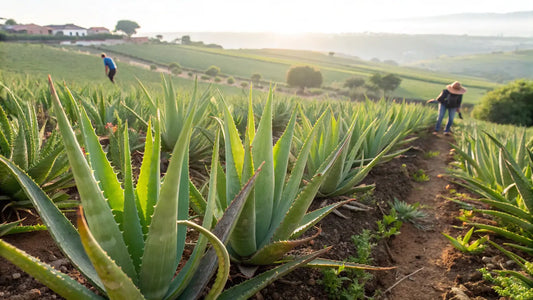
273,65
76,68
73,64
498,66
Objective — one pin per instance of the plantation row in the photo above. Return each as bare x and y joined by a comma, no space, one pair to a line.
496,163
254,200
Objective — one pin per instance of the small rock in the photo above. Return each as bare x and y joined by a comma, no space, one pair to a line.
63,269
486,259
311,282
490,266
59,262
474,276
23,287
510,263
258,296
16,275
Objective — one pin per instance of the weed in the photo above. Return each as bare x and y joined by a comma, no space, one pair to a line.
409,212
389,226
431,154
420,176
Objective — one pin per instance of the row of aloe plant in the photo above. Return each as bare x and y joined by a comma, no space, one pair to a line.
267,228
497,165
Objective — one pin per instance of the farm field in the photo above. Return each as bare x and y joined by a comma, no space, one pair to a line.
497,66
269,180
274,64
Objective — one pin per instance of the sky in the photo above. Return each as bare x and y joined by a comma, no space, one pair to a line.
281,16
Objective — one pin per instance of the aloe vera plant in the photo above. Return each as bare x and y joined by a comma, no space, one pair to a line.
129,242
23,142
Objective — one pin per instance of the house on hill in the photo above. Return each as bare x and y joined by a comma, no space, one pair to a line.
98,30
33,29
68,30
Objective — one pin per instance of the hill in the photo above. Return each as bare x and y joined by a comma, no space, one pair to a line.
497,66
273,65
402,48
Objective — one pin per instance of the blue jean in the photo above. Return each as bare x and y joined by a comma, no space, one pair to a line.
451,116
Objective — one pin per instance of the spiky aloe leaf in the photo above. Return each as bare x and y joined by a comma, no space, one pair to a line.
99,216
511,219
161,245
6,228
311,218
133,235
20,229
117,283
250,287
506,233
275,250
281,154
60,228
328,263
55,280
222,231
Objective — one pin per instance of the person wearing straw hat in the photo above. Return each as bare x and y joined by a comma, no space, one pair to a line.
449,100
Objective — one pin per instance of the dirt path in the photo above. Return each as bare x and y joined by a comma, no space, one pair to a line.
423,253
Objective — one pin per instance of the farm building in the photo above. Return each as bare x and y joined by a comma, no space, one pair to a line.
29,29
68,30
98,30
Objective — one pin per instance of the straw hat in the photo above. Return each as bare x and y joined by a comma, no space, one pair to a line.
456,88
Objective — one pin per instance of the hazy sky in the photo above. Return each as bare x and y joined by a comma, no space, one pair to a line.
286,16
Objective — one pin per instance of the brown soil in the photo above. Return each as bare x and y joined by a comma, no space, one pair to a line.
427,266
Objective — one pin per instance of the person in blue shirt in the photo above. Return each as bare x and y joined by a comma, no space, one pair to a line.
450,100
110,67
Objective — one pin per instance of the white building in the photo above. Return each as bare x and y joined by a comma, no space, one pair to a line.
68,30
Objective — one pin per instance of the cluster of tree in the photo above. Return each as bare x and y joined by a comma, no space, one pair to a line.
377,83
186,40
509,104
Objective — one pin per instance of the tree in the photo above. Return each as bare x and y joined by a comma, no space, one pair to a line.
256,77
213,71
509,104
354,82
10,22
127,26
331,53
174,68
159,36
386,83
186,40
304,76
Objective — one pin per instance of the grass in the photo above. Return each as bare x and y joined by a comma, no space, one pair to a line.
274,64
78,68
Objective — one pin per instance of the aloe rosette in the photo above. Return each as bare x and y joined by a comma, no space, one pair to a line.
129,239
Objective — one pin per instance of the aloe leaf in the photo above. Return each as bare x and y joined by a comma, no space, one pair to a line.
455,242
468,235
523,185
276,250
196,200
133,235
328,263
162,240
281,154
20,150
262,152
250,287
98,214
300,205
60,228
117,283
23,229
42,169
311,218
55,280
506,233
103,172
148,183
511,219
6,228
6,134
222,231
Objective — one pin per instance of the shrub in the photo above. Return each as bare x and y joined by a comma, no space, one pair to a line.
256,77
153,67
354,82
212,71
509,104
217,79
244,84
230,80
205,77
304,76
190,74
174,68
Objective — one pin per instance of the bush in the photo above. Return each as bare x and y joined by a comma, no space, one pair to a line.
509,104
354,82
153,67
174,68
190,74
205,77
230,80
212,71
244,84
256,77
217,79
304,76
